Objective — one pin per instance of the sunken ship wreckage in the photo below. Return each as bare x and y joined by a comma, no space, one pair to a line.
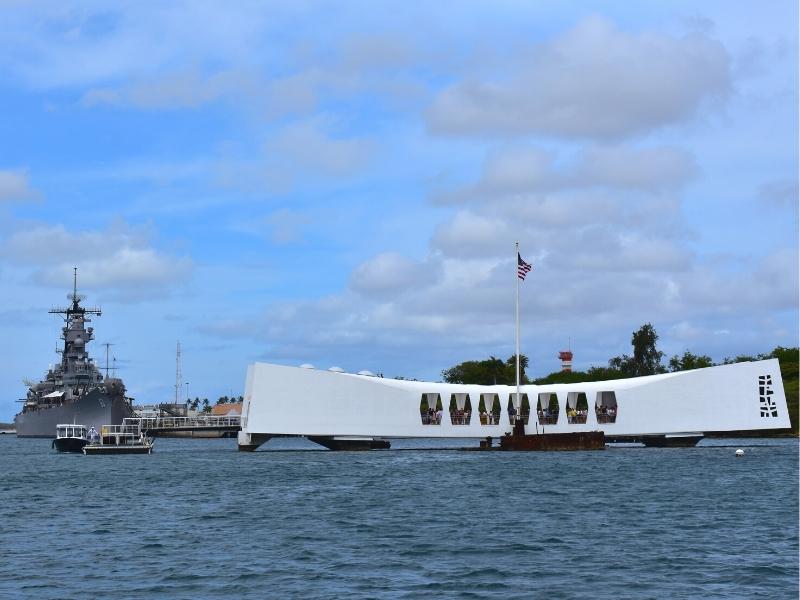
74,390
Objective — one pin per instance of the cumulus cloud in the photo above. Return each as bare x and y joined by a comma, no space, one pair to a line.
518,170
122,268
649,169
772,285
394,306
594,81
15,186
389,275
119,259
474,235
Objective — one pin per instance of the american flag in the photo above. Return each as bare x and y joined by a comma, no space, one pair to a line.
523,268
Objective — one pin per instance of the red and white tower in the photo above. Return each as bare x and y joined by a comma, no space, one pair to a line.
566,360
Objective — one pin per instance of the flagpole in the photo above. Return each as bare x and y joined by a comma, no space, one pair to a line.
516,277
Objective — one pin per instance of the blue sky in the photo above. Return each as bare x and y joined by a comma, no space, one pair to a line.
343,183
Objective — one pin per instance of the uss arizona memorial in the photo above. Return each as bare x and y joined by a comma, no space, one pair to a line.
330,406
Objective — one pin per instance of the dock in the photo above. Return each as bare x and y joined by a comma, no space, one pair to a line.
200,426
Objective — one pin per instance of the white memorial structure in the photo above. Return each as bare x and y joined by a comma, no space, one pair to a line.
347,408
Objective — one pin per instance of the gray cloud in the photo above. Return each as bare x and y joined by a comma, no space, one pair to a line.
15,186
594,81
308,145
389,275
189,88
524,170
771,285
473,235
783,193
304,150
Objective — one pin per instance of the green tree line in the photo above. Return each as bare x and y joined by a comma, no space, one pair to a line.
205,406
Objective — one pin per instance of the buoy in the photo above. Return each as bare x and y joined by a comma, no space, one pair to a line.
739,452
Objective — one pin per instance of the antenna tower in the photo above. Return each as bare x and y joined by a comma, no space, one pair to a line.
178,376
108,345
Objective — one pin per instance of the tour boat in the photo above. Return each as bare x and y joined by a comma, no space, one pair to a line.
120,439
70,438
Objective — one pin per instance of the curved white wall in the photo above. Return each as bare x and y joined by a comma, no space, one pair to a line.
283,400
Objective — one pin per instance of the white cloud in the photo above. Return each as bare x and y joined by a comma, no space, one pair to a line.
15,186
473,235
119,259
122,268
389,275
593,81
467,311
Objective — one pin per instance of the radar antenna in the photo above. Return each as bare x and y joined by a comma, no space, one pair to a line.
76,298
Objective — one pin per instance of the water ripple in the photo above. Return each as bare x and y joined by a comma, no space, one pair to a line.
199,520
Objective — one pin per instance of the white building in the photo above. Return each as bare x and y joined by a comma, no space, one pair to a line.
282,400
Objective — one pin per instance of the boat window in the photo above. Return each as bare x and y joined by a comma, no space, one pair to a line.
605,407
430,409
460,409
489,409
547,410
525,411
577,408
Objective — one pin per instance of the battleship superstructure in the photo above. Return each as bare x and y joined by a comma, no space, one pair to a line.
74,390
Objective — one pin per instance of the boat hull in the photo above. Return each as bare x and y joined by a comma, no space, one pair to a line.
667,441
578,440
587,440
114,449
93,409
69,444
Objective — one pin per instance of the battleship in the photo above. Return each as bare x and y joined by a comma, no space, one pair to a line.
74,390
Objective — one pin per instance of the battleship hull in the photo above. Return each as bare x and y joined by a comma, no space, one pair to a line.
93,409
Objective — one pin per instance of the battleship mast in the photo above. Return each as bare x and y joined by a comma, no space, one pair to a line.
73,333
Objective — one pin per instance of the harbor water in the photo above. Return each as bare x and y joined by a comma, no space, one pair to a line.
197,519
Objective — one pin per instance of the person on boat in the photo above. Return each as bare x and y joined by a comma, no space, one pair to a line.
93,435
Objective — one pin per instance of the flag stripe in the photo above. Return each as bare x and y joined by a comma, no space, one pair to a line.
523,268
